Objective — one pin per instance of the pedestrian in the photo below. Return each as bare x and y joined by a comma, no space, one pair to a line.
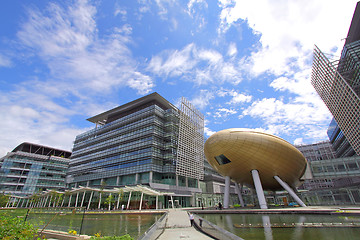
191,217
220,205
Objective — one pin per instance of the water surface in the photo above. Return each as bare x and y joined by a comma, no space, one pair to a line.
268,227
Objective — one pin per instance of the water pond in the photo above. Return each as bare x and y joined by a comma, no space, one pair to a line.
287,226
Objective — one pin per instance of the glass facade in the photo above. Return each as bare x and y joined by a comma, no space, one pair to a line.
317,151
136,143
340,144
125,148
31,168
334,181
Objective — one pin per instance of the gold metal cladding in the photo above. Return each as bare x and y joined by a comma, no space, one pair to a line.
248,150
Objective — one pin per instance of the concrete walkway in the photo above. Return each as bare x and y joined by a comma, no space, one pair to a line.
178,227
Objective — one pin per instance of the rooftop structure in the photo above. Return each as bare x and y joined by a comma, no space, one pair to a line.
30,168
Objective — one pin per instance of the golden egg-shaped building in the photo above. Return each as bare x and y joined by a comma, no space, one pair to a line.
236,152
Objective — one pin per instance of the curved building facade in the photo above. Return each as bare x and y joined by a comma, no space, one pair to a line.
256,159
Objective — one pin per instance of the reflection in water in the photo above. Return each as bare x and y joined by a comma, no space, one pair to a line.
267,227
257,226
106,224
299,230
229,222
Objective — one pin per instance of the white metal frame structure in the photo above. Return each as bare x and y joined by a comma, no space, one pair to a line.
190,153
42,199
340,98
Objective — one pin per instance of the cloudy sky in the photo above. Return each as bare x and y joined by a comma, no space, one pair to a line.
243,63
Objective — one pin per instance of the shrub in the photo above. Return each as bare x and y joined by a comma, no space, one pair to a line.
15,228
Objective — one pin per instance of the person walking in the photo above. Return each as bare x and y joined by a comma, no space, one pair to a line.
191,217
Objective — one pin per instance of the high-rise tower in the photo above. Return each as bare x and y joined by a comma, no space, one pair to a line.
338,84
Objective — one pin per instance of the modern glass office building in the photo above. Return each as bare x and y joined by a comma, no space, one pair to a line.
333,181
338,84
148,141
339,142
32,168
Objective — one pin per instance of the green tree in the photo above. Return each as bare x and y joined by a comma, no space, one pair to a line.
3,199
110,200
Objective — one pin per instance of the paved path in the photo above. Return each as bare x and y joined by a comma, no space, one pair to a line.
178,227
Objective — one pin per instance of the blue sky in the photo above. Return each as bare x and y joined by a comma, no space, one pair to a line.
244,64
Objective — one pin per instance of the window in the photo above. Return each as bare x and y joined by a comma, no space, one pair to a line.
221,159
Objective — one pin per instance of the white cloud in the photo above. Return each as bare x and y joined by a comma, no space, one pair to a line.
298,141
207,131
202,66
202,99
236,96
67,41
288,30
232,51
224,112
286,118
120,11
5,61
34,118
82,64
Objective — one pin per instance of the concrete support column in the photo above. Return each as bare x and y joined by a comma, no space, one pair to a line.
136,178
259,189
83,198
77,198
227,192
186,182
45,202
63,200
109,201
141,199
50,201
290,191
118,202
150,176
99,201
69,204
91,195
177,180
157,202
172,201
128,203
117,180
239,190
